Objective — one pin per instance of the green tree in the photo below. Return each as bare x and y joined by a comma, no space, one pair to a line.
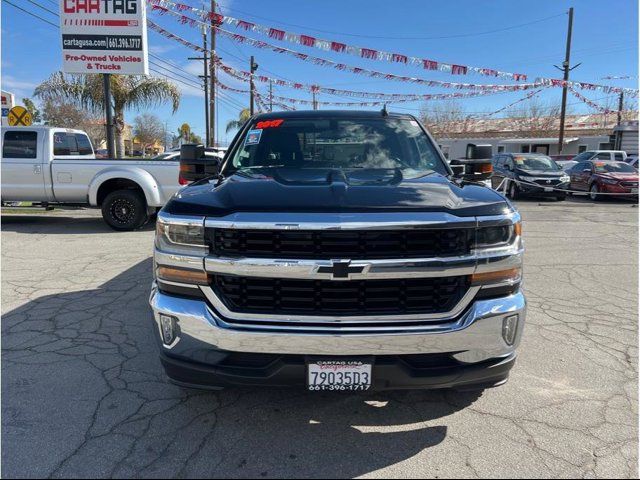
148,129
32,109
244,115
128,92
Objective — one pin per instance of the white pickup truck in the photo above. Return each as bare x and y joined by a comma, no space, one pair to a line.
56,166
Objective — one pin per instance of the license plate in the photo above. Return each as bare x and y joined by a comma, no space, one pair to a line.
338,375
548,189
634,190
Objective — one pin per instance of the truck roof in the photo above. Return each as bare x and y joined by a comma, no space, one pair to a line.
44,128
329,113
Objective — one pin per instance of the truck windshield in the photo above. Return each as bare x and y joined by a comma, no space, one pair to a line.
343,143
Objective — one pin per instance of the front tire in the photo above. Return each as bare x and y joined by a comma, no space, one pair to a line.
594,192
514,193
125,210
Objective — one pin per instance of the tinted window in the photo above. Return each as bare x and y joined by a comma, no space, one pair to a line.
618,157
365,144
84,145
19,144
65,144
603,156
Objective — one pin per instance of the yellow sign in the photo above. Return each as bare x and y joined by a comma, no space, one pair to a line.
19,116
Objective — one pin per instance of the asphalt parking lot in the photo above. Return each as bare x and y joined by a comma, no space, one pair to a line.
84,395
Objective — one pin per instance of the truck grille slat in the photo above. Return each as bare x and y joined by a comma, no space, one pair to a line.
326,297
360,244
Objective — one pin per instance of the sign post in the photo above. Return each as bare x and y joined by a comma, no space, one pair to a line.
105,37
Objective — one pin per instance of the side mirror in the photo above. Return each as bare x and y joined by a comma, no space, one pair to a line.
472,170
194,165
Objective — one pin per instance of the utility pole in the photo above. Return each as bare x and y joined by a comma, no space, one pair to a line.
315,103
620,107
211,130
205,77
253,66
109,115
271,96
566,69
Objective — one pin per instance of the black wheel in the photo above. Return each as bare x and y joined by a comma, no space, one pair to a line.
514,193
125,210
561,198
594,191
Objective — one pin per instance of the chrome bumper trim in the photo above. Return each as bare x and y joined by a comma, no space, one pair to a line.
477,336
479,261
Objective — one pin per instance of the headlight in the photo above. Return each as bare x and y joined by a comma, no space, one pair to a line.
496,235
525,178
178,234
609,181
565,178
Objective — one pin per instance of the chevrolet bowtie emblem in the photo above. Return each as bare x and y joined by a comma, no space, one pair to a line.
341,269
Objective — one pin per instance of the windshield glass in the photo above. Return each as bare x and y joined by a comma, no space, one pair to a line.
537,162
613,167
338,143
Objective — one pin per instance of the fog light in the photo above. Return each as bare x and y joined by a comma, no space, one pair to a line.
510,329
168,326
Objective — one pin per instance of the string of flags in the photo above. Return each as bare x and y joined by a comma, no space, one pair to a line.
618,77
330,45
592,104
389,76
245,76
343,67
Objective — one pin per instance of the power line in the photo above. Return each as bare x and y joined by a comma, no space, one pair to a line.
43,8
31,13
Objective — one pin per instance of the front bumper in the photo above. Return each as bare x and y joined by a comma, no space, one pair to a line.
527,188
472,351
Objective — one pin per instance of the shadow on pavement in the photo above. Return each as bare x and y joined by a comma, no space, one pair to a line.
84,395
57,224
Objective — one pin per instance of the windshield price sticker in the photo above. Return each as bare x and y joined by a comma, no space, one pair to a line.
340,375
253,137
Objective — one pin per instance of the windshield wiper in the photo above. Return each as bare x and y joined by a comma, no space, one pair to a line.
260,166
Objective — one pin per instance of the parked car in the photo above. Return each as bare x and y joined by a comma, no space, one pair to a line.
529,174
297,264
598,177
56,166
604,155
633,161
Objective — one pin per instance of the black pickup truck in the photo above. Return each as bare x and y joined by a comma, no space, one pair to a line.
337,250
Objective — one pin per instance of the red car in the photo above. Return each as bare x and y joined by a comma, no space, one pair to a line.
598,177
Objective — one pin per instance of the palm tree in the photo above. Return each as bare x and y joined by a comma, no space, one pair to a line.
128,91
243,117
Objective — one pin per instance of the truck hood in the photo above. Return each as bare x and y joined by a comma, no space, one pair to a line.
283,190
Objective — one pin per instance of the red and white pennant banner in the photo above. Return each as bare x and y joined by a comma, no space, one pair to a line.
593,105
387,97
540,82
329,45
506,107
343,67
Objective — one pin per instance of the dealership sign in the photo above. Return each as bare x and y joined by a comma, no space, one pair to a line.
104,36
